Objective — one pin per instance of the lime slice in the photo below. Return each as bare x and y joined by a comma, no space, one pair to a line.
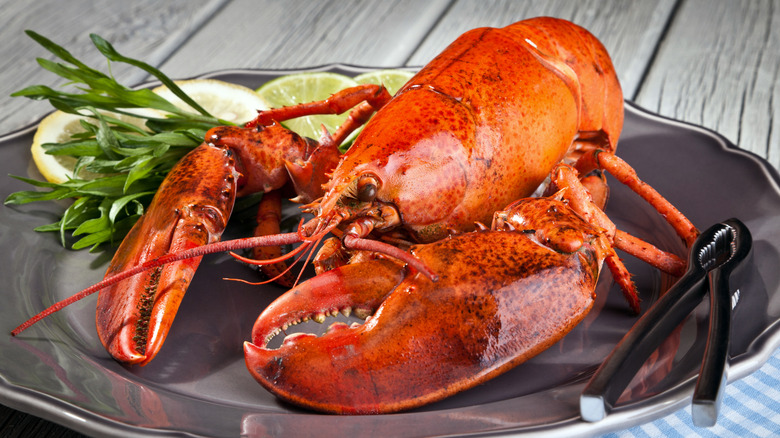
59,127
393,80
226,101
307,87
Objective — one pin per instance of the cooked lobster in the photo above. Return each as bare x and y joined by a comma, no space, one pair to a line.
482,126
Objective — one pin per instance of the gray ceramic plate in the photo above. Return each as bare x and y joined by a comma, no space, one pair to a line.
198,385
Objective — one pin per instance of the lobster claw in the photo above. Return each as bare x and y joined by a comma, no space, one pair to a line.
134,315
501,298
191,208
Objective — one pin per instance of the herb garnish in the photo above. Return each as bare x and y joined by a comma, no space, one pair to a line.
135,160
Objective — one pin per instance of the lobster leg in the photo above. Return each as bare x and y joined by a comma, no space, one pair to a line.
365,99
627,175
580,200
596,184
269,214
309,176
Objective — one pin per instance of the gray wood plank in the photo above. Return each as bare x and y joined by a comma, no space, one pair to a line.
145,29
300,33
719,67
629,32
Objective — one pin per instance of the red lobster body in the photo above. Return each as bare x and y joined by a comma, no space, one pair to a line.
484,123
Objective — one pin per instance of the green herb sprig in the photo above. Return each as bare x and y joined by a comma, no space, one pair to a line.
133,160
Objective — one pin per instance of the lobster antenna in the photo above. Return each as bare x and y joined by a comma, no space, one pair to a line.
260,262
350,241
308,249
281,258
247,242
308,241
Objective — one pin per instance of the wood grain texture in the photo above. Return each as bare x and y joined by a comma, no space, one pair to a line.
719,67
630,33
300,33
146,29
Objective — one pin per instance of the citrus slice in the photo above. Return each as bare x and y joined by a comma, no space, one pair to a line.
230,102
59,127
223,100
307,87
393,80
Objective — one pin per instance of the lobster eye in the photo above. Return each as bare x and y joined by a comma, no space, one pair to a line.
366,188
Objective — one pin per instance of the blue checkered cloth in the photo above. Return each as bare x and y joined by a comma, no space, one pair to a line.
751,408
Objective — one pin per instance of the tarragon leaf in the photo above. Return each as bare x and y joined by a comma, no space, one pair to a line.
109,52
133,160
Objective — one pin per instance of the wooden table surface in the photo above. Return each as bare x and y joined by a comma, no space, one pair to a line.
712,63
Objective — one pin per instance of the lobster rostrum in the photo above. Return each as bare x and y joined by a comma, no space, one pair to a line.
481,126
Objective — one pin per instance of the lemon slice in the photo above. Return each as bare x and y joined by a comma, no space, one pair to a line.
393,80
307,87
230,102
226,101
59,127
